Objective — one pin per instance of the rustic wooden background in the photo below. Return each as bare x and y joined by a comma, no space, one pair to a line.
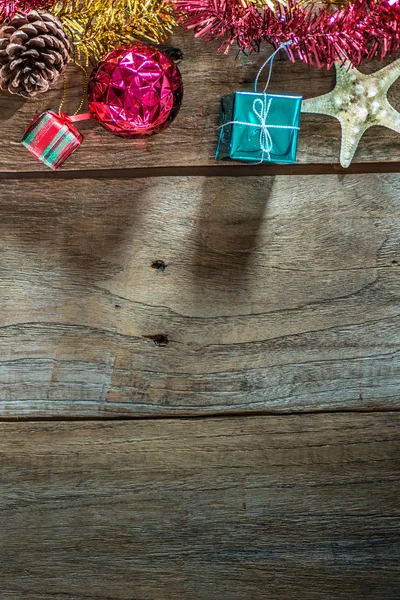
249,316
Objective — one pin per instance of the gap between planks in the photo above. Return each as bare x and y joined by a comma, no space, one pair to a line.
197,417
229,170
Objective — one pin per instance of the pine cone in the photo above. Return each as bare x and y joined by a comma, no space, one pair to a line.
34,50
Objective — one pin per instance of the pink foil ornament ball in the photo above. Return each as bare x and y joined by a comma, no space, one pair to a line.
135,92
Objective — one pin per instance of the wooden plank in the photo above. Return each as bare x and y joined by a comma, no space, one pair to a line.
192,139
286,507
278,294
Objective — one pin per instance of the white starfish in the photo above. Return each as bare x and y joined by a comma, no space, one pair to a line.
359,102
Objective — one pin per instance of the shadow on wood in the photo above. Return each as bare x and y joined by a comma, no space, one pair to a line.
228,233
9,105
75,228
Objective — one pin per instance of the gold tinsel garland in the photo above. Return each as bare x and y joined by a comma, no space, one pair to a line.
98,26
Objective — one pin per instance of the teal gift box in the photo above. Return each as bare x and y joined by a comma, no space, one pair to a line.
259,127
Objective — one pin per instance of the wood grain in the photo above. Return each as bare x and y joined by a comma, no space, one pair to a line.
286,507
191,140
199,296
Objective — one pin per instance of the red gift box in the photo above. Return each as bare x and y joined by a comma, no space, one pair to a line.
52,138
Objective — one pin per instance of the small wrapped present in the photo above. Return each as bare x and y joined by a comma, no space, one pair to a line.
259,127
52,138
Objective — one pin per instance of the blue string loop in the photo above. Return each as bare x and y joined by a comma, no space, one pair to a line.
269,60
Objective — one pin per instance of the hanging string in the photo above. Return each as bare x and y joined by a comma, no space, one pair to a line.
269,60
65,90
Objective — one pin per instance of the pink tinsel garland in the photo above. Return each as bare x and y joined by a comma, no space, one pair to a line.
363,30
9,8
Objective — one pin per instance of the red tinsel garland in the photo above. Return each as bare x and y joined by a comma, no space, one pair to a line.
10,7
363,30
